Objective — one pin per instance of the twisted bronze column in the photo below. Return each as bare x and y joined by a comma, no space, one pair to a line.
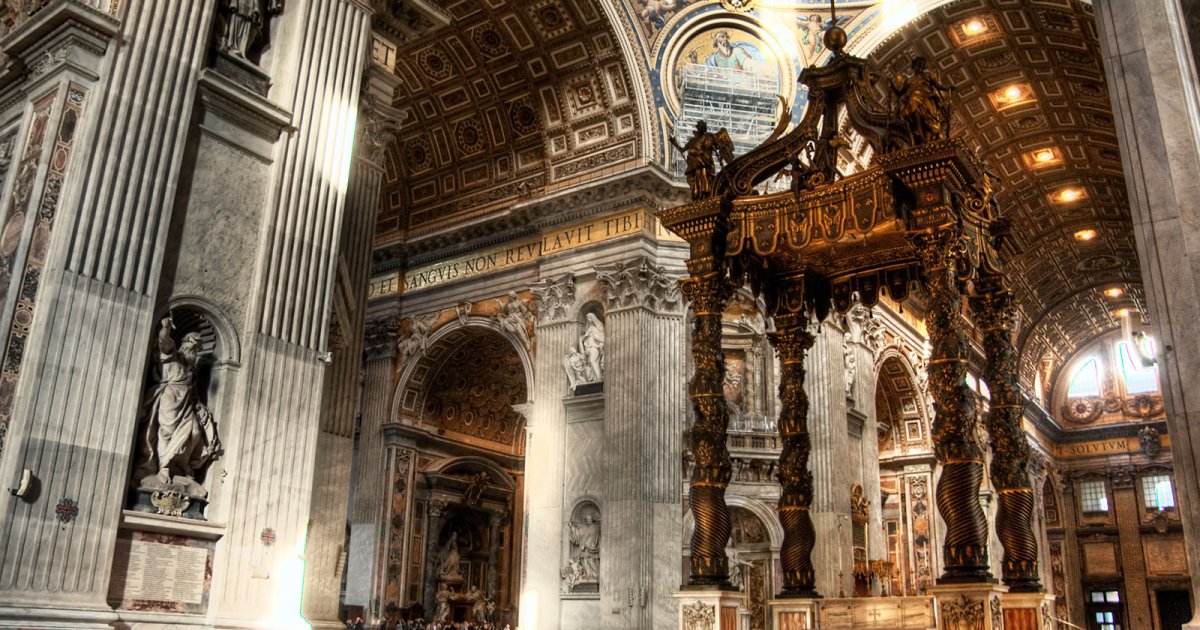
994,315
712,469
955,442
792,340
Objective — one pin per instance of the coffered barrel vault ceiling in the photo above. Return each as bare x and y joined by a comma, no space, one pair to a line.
1050,50
513,99
509,101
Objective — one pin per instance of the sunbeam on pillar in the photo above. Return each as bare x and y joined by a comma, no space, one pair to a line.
335,168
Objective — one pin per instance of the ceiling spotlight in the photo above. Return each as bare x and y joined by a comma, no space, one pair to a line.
1121,312
1085,235
975,27
1114,292
1045,155
1068,195
1012,92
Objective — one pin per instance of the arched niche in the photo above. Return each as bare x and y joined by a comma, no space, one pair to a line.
217,359
581,533
900,407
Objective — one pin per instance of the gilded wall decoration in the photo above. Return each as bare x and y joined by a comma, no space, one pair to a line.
474,389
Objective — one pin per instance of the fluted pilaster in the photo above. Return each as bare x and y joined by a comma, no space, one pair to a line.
825,383
74,348
340,406
862,399
544,461
643,428
365,577
273,465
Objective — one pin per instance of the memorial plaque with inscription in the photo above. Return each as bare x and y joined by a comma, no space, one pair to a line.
160,573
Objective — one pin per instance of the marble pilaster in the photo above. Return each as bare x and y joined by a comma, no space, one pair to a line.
1152,84
272,464
546,430
643,429
826,387
73,335
340,407
862,400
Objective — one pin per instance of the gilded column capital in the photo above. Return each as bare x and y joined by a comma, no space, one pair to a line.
638,283
555,297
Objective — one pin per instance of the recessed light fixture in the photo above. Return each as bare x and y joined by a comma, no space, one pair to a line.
1068,195
1114,292
1012,95
1043,157
1121,312
1085,235
975,30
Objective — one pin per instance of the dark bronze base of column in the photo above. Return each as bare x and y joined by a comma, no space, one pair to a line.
809,593
967,564
1022,577
702,586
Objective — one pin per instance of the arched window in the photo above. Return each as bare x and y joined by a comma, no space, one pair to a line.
1086,381
1138,380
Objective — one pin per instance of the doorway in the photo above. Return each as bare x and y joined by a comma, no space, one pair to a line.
1174,609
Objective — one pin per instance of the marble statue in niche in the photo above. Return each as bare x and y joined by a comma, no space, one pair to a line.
582,572
448,559
441,610
584,362
242,25
179,437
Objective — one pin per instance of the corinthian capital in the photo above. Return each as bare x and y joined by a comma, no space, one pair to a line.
380,336
555,296
637,283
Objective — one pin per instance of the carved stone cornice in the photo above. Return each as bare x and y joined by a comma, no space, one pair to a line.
555,297
648,186
380,338
639,283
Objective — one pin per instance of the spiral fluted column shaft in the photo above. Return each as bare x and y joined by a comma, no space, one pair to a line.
712,470
956,445
994,314
792,340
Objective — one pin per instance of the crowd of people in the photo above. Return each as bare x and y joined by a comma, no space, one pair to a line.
419,624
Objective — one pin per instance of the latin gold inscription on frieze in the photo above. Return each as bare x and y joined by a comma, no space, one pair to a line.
517,254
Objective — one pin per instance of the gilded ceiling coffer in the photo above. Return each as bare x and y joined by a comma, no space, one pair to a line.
923,212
